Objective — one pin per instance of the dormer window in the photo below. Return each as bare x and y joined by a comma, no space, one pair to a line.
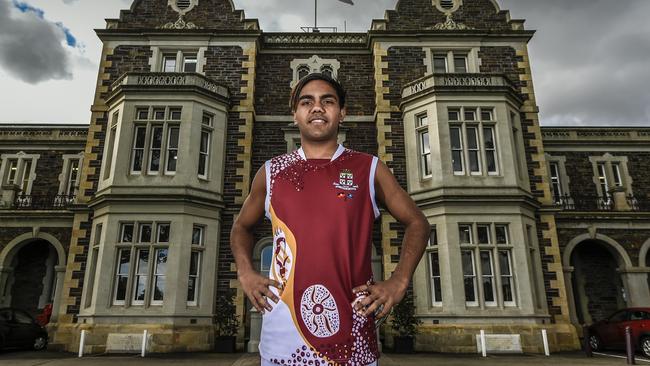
304,67
178,60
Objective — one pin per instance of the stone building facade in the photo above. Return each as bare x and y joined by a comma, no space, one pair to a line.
192,98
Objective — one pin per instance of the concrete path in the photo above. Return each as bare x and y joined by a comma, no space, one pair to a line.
20,358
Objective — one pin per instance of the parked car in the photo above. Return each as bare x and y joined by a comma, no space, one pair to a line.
18,329
610,333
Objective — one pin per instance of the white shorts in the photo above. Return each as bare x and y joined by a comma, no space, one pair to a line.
269,363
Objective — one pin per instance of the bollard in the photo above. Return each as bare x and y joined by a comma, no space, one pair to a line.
545,340
587,345
483,344
82,342
629,346
144,343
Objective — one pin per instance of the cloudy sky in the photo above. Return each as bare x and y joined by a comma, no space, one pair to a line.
590,58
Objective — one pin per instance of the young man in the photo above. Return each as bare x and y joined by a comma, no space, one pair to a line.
321,200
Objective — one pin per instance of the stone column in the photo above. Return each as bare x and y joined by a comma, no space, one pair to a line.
5,296
568,282
60,277
255,331
636,286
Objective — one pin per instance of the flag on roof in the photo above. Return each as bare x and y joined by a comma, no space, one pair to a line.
347,2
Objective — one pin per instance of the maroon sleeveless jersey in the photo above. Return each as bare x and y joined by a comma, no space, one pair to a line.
322,213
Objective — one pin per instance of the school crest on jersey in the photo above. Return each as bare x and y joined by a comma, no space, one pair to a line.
346,181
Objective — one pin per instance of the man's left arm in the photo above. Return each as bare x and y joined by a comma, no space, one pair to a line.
390,292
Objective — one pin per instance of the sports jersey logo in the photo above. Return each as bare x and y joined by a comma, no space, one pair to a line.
346,181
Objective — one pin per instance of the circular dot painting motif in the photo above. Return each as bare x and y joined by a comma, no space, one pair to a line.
319,312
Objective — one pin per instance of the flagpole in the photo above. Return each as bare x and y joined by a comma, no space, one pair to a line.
315,15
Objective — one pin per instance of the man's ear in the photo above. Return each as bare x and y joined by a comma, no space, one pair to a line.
295,123
342,114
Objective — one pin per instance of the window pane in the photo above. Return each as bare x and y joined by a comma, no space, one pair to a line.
120,292
616,169
172,149
490,149
460,64
127,233
197,235
465,234
141,275
142,113
433,236
207,119
265,260
169,63
124,260
194,263
175,113
436,288
159,273
487,275
163,233
435,264
189,64
470,114
140,134
504,262
472,138
159,113
486,114
472,146
469,276
456,138
502,234
440,64
422,120
454,115
145,233
156,144
483,234
489,138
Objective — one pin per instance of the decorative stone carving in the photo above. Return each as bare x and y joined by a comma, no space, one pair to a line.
450,24
180,24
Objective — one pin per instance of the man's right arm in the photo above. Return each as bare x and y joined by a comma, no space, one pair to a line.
255,286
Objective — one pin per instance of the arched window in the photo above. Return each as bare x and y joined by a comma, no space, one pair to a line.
266,256
303,71
327,70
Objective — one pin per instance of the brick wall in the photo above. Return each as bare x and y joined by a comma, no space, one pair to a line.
581,173
422,14
224,64
209,14
274,76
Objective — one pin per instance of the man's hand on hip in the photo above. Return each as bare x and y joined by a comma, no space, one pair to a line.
381,295
257,289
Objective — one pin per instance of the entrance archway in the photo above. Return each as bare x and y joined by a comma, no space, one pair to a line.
598,288
32,269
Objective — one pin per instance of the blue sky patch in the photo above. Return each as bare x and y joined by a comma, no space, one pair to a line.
69,38
26,8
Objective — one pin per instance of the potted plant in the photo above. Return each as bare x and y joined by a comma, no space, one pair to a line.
226,324
405,325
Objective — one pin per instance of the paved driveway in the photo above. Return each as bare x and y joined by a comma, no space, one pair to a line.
20,358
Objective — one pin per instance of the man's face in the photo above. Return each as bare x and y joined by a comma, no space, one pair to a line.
318,112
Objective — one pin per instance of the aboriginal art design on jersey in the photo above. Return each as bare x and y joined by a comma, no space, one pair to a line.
319,312
282,258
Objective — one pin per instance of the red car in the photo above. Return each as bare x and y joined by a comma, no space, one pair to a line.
610,333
